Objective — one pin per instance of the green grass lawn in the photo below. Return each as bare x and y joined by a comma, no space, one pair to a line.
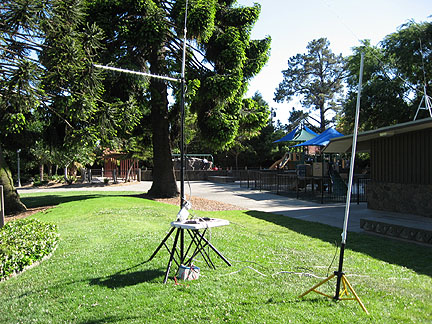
97,273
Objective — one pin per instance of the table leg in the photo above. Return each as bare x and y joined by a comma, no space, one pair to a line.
171,256
199,248
182,255
213,248
161,244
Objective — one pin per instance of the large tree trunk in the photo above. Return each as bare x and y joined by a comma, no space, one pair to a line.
164,182
12,202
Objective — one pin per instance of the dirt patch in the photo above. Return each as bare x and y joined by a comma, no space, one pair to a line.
28,212
200,204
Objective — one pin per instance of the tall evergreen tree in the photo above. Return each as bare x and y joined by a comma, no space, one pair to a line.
147,36
20,37
45,66
315,76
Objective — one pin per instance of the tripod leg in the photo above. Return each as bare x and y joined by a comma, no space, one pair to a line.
161,244
355,295
316,286
345,289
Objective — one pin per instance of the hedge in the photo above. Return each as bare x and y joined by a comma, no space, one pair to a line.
24,242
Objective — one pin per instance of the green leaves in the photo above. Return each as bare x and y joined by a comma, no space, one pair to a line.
24,242
148,35
257,54
316,76
15,122
200,20
243,18
253,116
382,102
235,59
410,47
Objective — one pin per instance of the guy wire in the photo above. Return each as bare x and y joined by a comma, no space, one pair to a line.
381,63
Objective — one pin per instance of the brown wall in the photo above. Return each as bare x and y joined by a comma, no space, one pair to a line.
401,173
404,158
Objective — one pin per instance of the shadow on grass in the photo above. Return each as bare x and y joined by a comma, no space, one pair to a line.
56,199
120,280
406,254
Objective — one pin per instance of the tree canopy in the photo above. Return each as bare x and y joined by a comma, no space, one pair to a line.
45,72
221,58
316,76
394,76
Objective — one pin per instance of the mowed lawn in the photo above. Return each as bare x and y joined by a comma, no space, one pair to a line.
97,274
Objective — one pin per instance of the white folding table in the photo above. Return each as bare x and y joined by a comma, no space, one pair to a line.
196,228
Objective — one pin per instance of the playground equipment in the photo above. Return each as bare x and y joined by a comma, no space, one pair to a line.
280,164
286,161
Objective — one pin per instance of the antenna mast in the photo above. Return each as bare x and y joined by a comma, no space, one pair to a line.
426,99
182,122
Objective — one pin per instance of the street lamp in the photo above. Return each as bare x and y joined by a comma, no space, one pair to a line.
19,179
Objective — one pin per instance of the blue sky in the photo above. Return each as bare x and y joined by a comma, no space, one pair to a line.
292,24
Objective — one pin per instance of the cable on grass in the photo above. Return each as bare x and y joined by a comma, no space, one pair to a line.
305,274
331,263
247,267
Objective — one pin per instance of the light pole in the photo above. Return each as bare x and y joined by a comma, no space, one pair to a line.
19,179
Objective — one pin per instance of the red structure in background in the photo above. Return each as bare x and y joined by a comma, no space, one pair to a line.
117,161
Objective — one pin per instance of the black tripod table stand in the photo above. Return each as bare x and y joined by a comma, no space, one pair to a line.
196,229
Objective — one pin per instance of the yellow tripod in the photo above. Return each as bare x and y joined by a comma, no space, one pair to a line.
344,291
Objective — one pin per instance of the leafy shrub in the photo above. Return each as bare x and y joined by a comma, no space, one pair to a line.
71,179
40,183
23,242
57,178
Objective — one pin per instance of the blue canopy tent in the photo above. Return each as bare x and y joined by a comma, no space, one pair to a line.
297,135
288,137
323,139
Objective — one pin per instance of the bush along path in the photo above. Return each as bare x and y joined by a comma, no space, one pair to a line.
23,243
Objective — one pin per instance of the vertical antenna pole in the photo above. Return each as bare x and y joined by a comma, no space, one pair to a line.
339,273
182,119
425,98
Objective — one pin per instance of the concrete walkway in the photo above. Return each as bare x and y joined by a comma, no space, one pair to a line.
231,193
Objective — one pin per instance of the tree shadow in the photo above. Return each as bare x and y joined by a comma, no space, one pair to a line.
410,255
50,199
